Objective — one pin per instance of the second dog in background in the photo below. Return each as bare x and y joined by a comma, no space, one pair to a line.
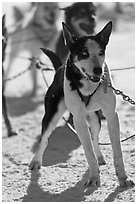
34,27
80,18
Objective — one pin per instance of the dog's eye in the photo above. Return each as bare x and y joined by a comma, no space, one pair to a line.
85,53
101,52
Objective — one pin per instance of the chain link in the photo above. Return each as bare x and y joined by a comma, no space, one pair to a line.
119,92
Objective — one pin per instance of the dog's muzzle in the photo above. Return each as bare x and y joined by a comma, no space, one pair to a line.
88,27
98,73
92,78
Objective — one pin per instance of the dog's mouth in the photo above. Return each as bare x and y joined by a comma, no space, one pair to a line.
95,79
86,27
51,21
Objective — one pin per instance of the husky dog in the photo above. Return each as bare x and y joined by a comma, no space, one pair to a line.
78,87
80,17
36,28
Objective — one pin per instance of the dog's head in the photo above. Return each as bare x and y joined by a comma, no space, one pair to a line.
80,18
87,53
46,13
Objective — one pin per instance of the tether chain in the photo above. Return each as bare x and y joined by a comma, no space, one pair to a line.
34,60
119,92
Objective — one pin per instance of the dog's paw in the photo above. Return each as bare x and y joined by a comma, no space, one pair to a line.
93,182
35,164
126,183
101,161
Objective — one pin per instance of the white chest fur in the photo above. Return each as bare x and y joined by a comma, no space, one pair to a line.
88,87
73,100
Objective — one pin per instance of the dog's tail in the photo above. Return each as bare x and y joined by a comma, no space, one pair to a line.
53,57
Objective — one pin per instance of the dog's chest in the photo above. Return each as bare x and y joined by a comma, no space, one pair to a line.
76,101
87,87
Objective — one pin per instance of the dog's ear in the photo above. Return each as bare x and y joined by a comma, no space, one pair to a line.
104,34
69,38
3,20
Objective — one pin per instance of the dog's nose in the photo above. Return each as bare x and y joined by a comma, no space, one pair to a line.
97,71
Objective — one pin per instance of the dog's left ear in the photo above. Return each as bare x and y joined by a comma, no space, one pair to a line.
68,36
3,19
104,34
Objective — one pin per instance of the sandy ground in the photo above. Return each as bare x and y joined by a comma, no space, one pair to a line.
65,169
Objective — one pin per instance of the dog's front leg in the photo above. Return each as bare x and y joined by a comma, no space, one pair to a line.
49,123
81,127
114,133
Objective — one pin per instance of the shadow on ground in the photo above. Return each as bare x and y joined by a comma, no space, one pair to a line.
61,142
18,106
77,193
111,197
36,194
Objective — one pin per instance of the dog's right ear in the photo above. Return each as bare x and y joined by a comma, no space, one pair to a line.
3,19
104,34
69,38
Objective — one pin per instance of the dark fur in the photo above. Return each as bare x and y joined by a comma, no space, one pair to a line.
54,94
81,10
75,10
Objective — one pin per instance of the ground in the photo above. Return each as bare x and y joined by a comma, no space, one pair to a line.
65,170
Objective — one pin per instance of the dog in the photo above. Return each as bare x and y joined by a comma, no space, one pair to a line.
10,130
39,24
77,86
80,17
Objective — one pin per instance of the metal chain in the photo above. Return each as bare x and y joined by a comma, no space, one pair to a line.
119,92
19,74
116,91
34,60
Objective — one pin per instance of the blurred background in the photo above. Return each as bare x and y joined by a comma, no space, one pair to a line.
24,37
31,26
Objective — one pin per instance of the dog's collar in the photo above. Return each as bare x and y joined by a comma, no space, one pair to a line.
86,99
